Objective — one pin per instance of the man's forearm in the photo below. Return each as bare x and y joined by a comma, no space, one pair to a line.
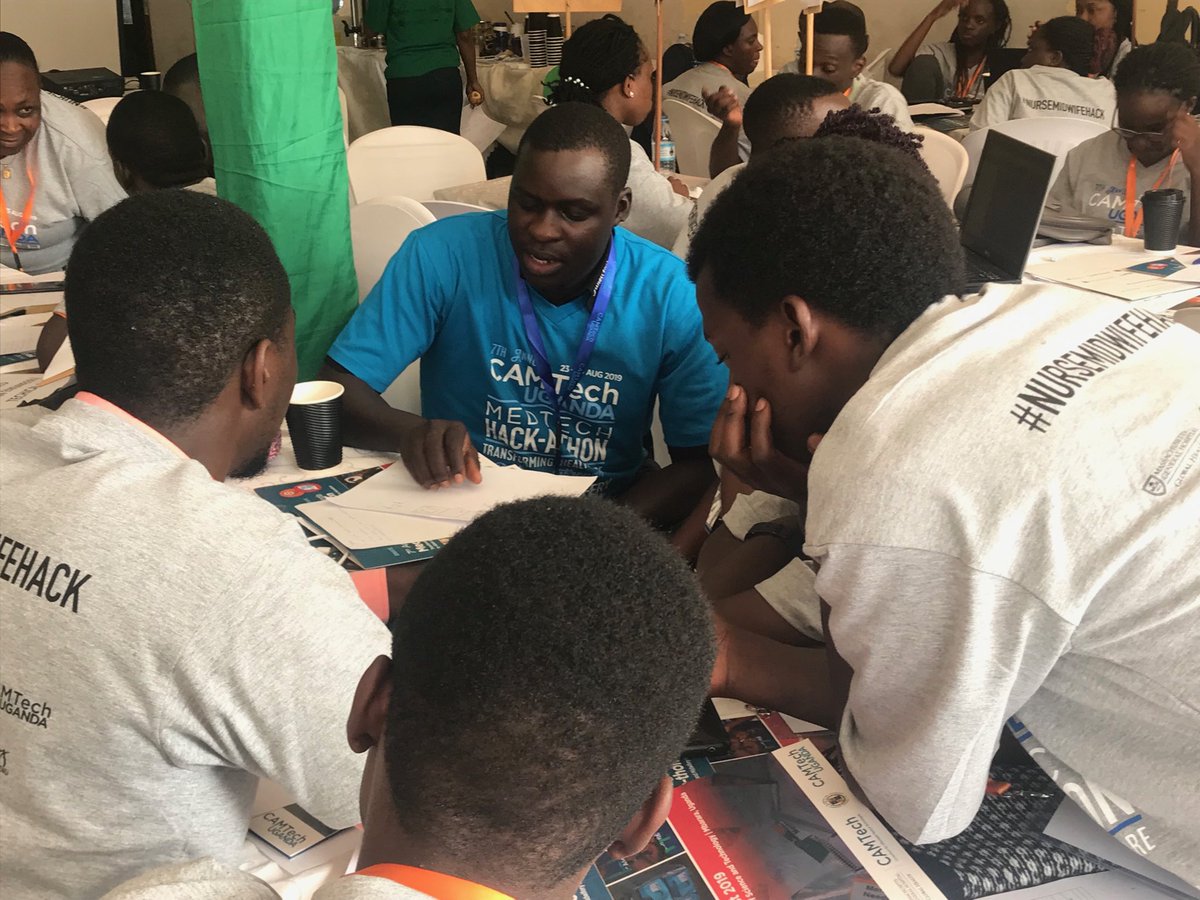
368,421
724,151
772,675
666,496
466,49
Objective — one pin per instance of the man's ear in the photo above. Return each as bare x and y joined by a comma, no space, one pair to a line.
368,712
1057,56
624,202
802,329
123,175
859,65
647,820
259,366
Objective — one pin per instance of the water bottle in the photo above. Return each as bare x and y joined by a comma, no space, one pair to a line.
666,149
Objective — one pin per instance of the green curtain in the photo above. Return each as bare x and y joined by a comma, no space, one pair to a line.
268,71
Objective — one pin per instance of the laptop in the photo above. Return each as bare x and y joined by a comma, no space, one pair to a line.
1001,61
1004,209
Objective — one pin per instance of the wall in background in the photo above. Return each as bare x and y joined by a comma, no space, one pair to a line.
173,31
66,34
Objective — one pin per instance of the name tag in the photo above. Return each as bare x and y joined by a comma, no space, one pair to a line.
290,830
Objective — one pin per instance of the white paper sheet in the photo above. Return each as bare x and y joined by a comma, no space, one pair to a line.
394,491
360,529
1073,826
19,387
1101,886
20,333
933,109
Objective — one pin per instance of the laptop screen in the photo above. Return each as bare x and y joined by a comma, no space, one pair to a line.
1006,202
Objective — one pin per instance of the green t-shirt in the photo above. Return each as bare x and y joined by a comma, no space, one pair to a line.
420,33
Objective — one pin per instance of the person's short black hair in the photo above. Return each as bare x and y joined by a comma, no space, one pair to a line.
548,666
1173,68
875,126
1074,38
718,27
581,126
166,293
855,228
780,100
843,17
598,56
155,135
185,73
14,50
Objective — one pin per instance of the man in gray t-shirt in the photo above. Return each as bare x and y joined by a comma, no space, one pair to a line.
167,639
1002,507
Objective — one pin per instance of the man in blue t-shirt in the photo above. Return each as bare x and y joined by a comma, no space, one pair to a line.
545,334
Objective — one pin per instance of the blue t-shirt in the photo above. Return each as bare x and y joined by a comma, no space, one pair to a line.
448,297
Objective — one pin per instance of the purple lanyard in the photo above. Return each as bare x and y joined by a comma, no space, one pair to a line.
534,333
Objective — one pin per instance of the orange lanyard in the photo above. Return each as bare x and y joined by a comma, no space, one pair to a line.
11,234
435,884
1133,206
963,92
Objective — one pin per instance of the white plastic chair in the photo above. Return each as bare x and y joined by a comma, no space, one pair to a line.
102,107
947,160
377,229
1054,134
694,133
443,209
411,161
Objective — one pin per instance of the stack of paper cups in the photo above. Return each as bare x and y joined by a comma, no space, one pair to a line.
554,39
535,48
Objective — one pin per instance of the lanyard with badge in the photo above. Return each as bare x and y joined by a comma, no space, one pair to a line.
15,234
963,89
541,363
432,884
1133,205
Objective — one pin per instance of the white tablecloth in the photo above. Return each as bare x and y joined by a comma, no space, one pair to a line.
512,96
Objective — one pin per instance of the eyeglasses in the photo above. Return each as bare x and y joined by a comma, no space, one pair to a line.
1155,137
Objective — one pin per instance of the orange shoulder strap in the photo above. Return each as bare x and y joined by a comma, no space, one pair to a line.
435,884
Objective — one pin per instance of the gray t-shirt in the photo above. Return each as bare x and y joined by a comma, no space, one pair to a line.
75,183
201,879
656,212
946,55
1045,91
1004,519
708,78
367,887
167,641
1092,181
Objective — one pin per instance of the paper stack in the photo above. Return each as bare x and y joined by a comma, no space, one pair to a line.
387,518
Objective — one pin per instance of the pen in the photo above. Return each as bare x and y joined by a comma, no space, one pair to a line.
1005,789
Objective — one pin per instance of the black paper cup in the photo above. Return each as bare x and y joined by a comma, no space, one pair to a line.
1163,211
314,419
150,81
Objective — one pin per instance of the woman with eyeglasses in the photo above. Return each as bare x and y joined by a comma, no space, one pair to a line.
1156,146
